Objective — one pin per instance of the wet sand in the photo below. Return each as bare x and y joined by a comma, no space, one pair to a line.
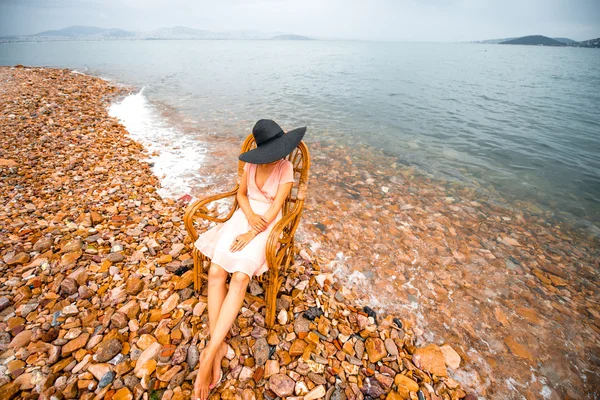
96,298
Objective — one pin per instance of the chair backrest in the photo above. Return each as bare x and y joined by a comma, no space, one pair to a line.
300,158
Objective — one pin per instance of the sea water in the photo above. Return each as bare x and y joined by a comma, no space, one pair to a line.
522,121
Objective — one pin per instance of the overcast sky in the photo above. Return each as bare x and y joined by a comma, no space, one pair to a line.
412,20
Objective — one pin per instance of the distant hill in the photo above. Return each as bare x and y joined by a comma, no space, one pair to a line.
85,31
535,40
595,43
290,37
565,40
79,32
495,41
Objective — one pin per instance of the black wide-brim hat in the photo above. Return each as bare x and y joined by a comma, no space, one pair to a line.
272,143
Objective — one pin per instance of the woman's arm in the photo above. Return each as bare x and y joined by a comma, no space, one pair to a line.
242,197
242,240
282,192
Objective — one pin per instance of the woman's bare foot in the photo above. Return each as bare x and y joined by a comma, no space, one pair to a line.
201,386
216,367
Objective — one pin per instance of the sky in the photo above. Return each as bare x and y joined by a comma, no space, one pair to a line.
402,20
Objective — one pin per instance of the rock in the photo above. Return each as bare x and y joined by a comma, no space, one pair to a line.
199,309
431,359
43,244
301,325
99,370
106,379
370,312
145,369
20,340
69,259
164,259
69,286
451,357
168,373
186,280
145,340
170,304
115,257
297,348
4,303
72,333
282,385
509,241
85,292
176,249
391,347
151,353
372,388
107,350
180,354
193,355
131,381
375,349
260,351
96,218
19,258
404,381
312,313
7,163
119,320
123,394
9,390
517,348
316,393
393,395
166,352
70,310
134,286
385,381
75,344
271,368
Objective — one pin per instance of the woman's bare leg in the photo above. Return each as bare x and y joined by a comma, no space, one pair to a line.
217,290
229,311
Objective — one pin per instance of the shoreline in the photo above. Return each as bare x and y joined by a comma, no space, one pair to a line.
95,296
459,261
473,234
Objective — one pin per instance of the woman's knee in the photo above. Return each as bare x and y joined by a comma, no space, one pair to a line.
216,273
239,280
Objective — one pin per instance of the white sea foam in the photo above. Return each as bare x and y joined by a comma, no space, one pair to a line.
176,157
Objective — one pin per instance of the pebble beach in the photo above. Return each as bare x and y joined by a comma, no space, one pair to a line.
404,287
96,292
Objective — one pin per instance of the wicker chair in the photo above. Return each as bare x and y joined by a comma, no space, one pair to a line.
280,244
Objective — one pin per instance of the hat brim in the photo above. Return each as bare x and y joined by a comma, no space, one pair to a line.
276,149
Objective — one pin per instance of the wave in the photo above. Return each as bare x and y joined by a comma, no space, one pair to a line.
175,158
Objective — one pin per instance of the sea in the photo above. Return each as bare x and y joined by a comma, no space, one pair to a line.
516,126
521,121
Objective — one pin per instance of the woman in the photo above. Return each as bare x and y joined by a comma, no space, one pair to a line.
238,246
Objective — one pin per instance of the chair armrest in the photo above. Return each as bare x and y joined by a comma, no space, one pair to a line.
275,253
198,209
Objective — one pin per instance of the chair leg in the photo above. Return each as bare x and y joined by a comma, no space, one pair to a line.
198,261
271,299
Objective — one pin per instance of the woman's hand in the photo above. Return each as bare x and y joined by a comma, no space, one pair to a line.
241,241
257,223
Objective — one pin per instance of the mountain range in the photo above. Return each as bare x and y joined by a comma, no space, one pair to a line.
539,40
78,32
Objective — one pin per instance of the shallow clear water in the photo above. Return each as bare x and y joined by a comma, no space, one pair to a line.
521,120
